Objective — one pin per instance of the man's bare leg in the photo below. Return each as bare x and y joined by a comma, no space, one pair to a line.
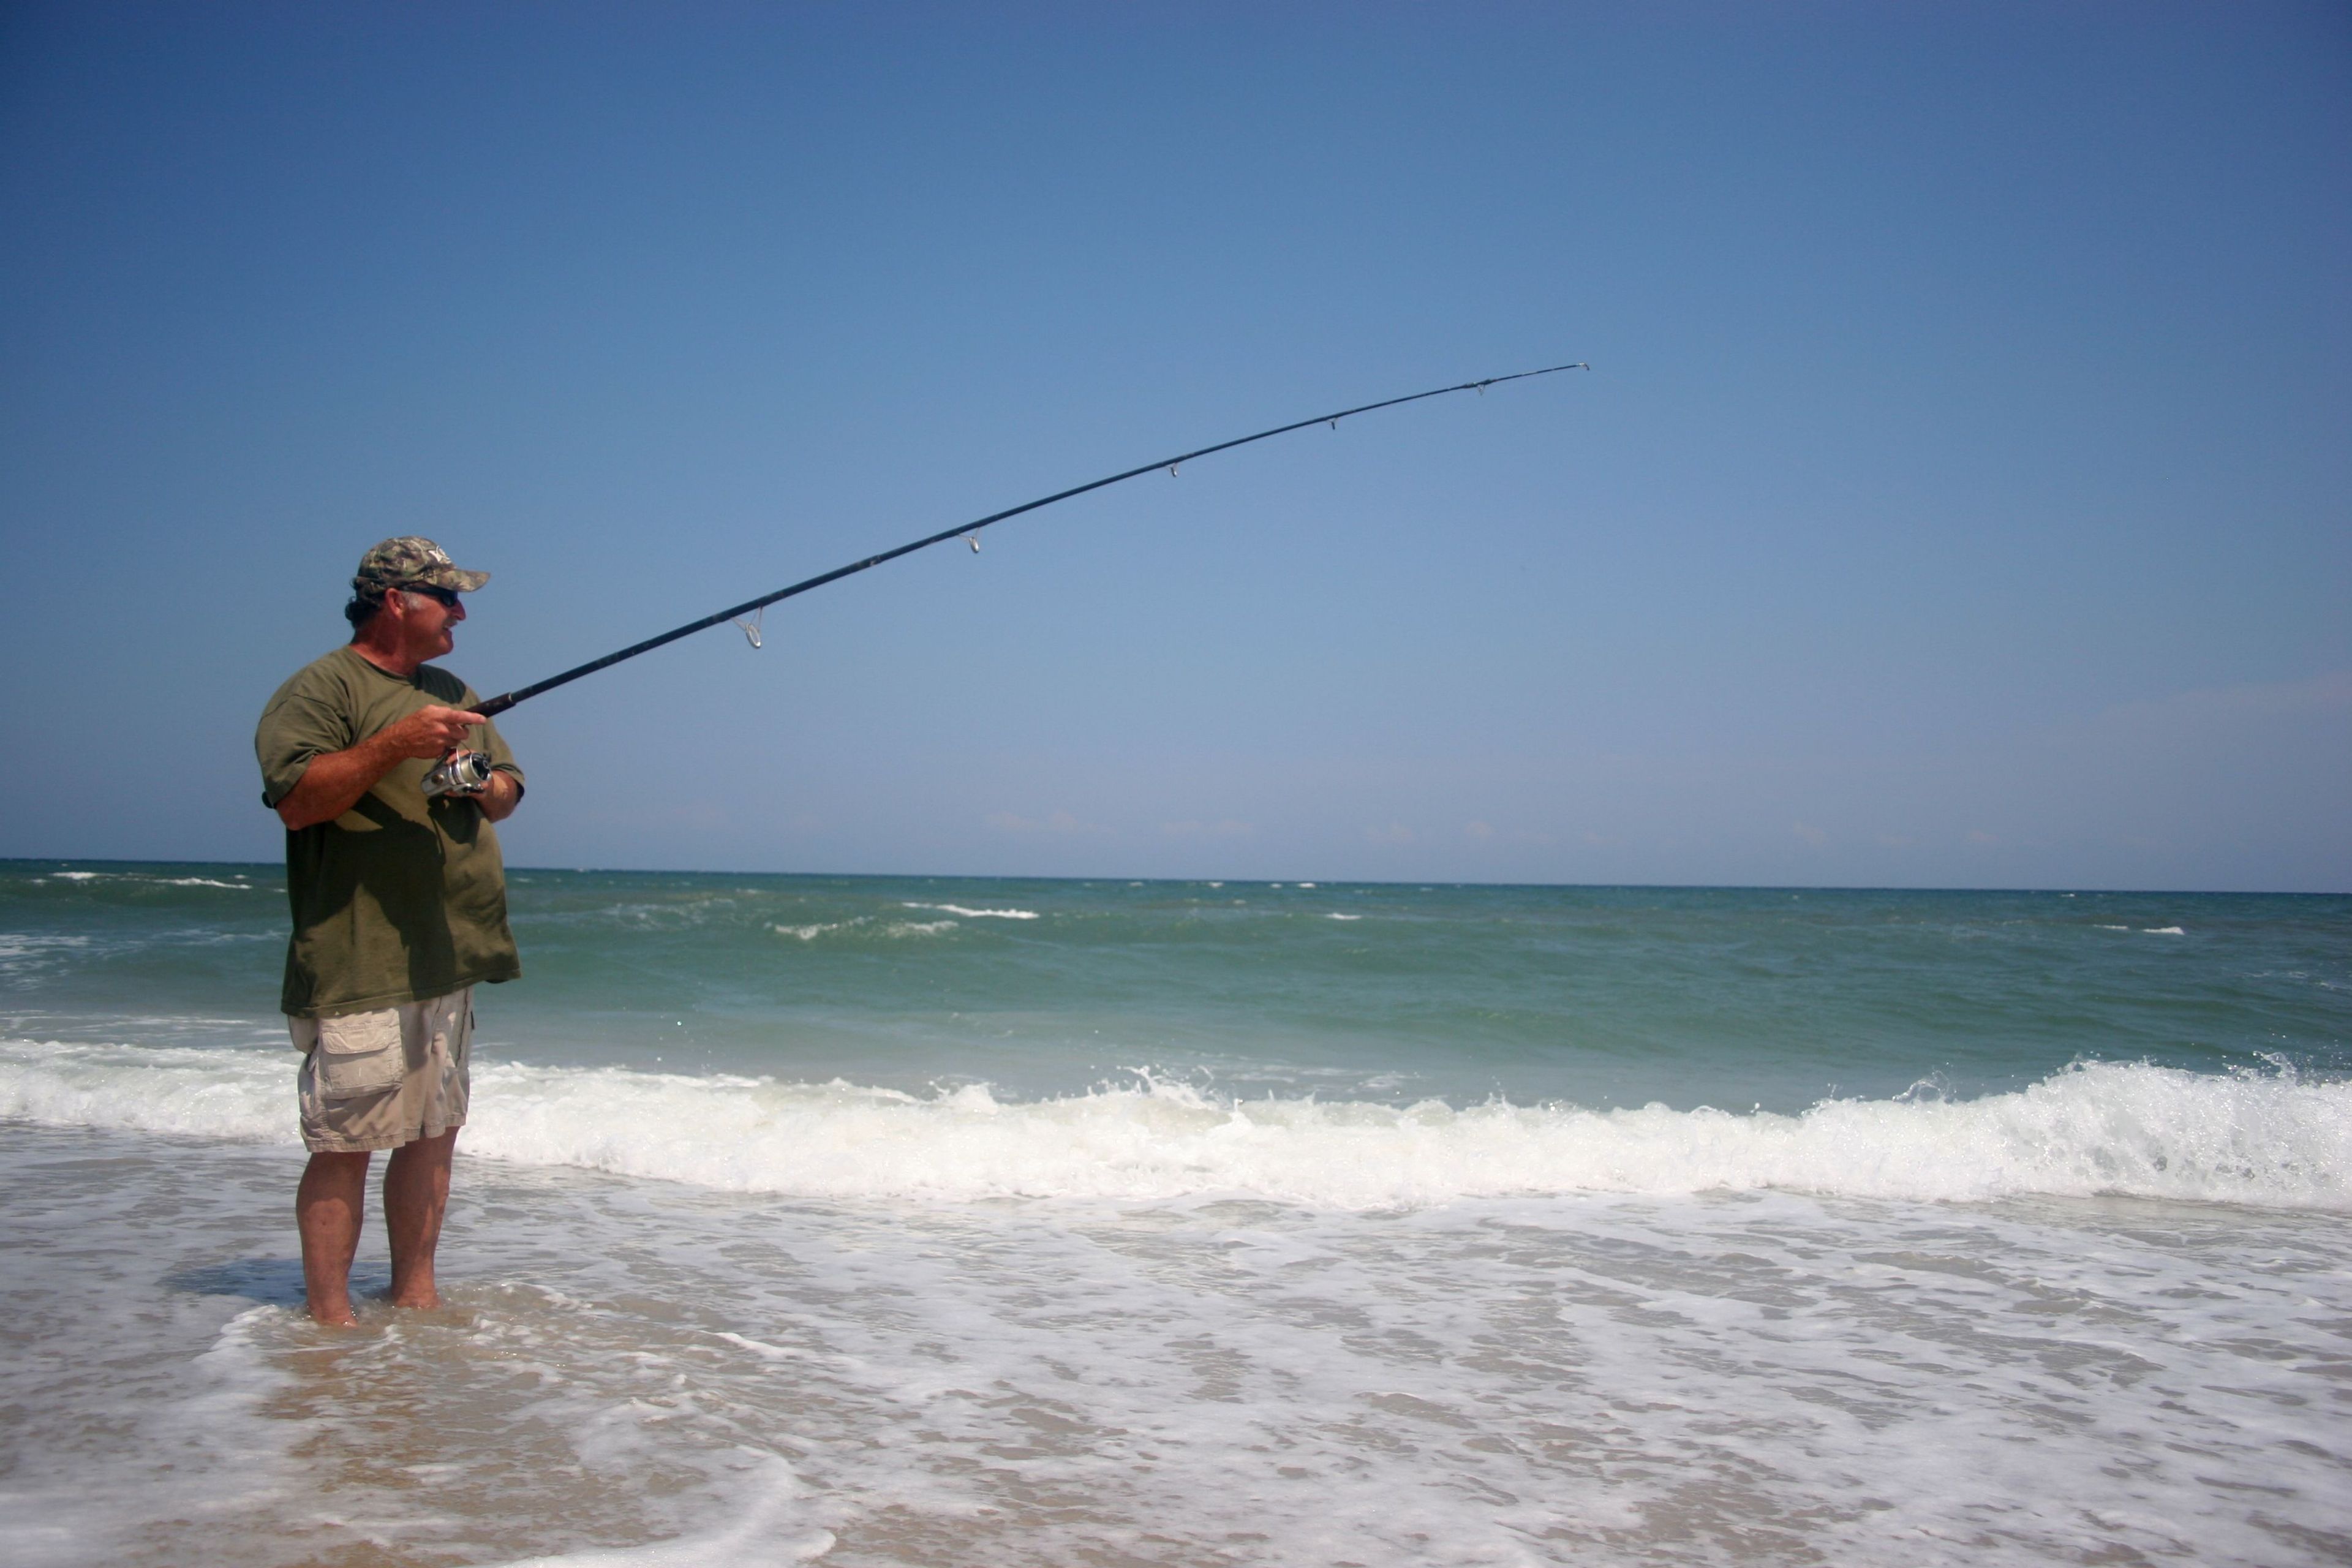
329,1207
415,1195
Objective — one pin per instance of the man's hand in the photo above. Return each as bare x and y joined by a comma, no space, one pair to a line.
500,797
428,733
332,783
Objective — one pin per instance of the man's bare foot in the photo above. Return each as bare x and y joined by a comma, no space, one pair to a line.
333,1318
423,1300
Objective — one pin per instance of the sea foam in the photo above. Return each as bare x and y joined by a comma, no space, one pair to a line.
2125,1128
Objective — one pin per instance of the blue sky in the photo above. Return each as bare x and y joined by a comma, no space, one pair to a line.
1958,497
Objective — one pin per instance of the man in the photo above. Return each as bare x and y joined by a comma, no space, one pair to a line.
399,902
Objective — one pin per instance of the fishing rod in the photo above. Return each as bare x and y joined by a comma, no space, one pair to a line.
970,532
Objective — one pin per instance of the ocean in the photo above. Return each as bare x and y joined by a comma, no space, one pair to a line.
978,1222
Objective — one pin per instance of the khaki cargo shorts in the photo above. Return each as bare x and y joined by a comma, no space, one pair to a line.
377,1080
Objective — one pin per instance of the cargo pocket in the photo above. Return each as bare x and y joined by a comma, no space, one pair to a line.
359,1054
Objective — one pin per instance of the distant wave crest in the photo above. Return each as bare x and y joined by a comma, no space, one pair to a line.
237,887
2108,1128
859,925
979,914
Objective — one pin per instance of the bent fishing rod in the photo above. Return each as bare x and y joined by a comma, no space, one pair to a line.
970,532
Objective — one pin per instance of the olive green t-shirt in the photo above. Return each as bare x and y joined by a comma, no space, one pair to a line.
402,898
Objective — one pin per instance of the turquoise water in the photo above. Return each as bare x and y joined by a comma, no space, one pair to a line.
946,1221
1735,998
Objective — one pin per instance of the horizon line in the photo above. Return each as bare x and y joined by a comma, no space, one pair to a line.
1270,882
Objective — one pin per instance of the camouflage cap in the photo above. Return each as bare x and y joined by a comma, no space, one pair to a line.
409,561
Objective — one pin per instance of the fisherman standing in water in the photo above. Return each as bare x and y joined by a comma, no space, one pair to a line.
400,910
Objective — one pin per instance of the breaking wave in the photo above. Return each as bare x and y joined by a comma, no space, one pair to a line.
2130,1129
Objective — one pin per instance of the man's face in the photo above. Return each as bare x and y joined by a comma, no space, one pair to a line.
428,621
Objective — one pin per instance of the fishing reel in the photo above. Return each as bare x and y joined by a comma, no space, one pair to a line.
460,773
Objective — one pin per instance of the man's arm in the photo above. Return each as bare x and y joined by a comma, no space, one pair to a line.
333,782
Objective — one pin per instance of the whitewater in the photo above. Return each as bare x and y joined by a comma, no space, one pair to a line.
2127,1130
924,1220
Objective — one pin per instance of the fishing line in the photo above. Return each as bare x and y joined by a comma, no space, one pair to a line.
970,534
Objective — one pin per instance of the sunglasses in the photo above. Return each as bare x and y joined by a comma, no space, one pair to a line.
448,598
